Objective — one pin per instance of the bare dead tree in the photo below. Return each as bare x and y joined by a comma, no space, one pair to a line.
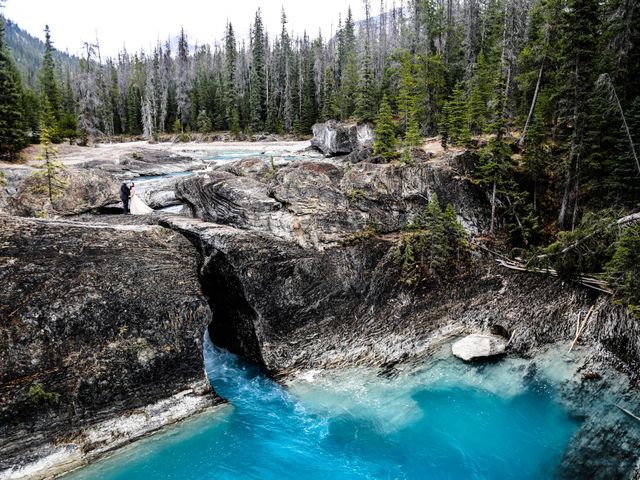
604,83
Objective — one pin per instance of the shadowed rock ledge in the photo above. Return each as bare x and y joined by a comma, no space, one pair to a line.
97,321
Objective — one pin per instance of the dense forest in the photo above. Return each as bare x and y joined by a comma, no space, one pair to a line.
546,91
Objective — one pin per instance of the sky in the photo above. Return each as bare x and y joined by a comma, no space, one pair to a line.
140,23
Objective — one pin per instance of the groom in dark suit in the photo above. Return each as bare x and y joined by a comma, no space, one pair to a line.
125,193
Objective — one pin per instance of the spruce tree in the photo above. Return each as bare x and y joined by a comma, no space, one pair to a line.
366,97
349,87
329,108
48,175
258,79
385,143
203,122
49,85
183,84
458,118
231,99
578,42
406,91
12,134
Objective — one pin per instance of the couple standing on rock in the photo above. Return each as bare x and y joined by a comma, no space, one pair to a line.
131,202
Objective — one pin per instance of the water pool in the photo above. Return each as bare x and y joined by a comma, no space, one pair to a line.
439,420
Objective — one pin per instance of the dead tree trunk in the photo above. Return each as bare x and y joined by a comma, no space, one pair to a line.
533,104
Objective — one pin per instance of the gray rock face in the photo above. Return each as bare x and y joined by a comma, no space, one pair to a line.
322,204
95,320
290,308
85,190
146,163
334,138
478,346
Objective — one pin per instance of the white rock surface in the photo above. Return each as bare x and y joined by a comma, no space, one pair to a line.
476,345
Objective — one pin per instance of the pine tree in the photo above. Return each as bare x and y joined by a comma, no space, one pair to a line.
579,39
183,84
329,108
50,87
366,96
406,91
68,124
413,137
458,118
231,98
48,175
385,143
12,134
480,95
203,122
348,87
258,81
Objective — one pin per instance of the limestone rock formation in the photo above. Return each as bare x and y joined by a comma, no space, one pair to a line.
321,204
85,190
335,138
95,320
479,346
145,162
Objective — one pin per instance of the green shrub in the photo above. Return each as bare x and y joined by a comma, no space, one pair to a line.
39,396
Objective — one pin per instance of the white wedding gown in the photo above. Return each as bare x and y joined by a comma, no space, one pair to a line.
137,205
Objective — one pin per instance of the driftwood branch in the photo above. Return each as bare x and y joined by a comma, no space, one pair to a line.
586,281
580,326
628,412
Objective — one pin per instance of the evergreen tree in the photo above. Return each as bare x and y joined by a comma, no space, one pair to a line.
203,122
385,143
231,97
406,91
366,96
12,133
183,84
49,85
579,39
329,108
48,175
480,95
258,81
458,118
348,87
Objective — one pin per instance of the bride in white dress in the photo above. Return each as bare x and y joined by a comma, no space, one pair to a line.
137,205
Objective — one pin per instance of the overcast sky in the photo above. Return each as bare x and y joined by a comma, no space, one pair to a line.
139,23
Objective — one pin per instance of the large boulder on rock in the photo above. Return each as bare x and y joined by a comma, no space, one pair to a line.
335,138
84,191
95,320
479,346
145,162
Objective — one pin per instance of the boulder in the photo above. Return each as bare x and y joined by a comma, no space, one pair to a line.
335,138
85,190
143,163
478,346
96,320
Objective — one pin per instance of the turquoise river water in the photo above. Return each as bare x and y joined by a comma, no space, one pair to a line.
442,419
